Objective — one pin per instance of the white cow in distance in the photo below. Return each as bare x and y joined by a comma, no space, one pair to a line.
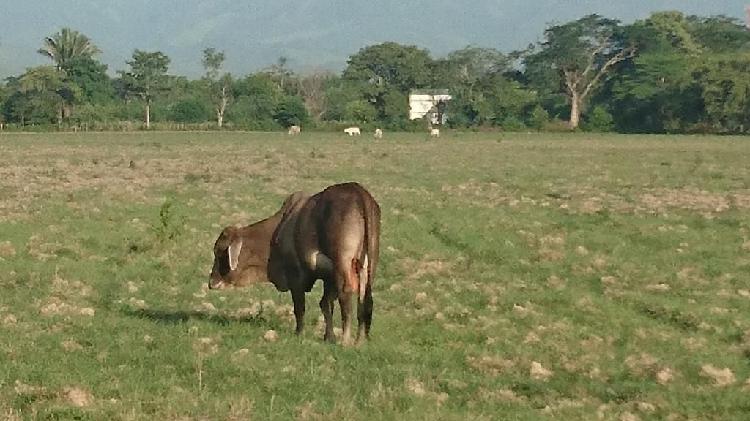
378,134
352,131
294,130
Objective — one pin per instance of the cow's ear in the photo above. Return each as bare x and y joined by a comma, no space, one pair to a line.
234,252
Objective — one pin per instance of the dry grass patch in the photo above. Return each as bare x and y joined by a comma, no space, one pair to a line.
9,320
665,375
56,307
642,365
503,395
7,249
480,194
417,388
417,269
701,201
719,376
492,365
77,396
538,372
71,345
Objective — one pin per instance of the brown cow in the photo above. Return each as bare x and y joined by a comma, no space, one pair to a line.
332,235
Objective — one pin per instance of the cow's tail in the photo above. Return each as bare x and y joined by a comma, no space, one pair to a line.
371,250
364,274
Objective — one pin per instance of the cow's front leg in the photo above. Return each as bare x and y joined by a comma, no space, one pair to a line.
298,298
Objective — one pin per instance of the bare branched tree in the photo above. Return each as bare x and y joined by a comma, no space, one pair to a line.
312,89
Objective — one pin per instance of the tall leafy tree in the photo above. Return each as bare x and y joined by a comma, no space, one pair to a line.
256,97
403,67
15,107
726,92
666,31
464,68
507,102
344,103
380,68
482,91
290,111
580,55
91,76
719,34
66,46
147,78
657,92
44,93
219,85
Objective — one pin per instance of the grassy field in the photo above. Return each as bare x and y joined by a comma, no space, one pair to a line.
521,277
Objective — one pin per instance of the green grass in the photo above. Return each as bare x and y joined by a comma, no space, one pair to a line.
621,264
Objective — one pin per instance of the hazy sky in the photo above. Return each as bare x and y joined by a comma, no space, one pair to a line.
311,33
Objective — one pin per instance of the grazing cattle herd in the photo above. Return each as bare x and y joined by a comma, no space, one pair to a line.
356,131
333,235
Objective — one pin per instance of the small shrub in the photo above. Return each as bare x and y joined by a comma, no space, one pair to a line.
190,111
291,111
599,120
556,126
538,117
169,225
512,123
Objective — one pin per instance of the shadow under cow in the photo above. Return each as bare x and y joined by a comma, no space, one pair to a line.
180,316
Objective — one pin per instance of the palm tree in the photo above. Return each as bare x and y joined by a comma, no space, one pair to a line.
66,46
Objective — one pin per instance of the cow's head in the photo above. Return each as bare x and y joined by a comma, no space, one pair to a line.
226,258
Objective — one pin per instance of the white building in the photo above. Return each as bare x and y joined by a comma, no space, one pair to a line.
432,102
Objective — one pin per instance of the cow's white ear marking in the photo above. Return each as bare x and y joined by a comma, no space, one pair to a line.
234,253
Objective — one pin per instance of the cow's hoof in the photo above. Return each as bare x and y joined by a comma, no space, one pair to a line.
347,341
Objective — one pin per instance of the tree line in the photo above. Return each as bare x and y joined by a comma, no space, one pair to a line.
668,73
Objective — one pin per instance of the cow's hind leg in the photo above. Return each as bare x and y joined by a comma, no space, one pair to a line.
326,306
364,315
345,302
298,297
348,283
